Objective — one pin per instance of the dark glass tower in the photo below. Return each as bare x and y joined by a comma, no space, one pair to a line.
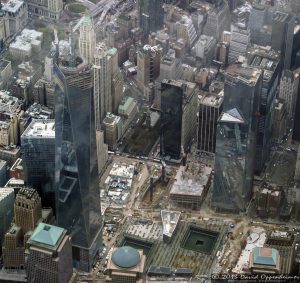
171,119
270,62
151,15
236,140
76,171
38,148
179,107
282,36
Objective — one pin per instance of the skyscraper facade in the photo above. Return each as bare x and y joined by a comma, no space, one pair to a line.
28,213
116,80
240,40
236,139
102,84
76,168
288,90
87,39
179,108
49,255
151,15
210,108
148,65
38,147
269,61
218,19
282,36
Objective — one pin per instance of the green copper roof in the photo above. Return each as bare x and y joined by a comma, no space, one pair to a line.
126,257
112,51
126,104
265,256
47,234
87,20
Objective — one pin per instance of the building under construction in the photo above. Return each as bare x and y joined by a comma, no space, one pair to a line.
191,185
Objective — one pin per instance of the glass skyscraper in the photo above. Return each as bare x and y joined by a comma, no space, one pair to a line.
76,169
171,118
236,139
179,107
151,15
38,148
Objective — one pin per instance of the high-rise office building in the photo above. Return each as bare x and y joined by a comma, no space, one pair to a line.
28,209
288,90
151,15
116,80
257,17
185,30
28,213
280,120
179,106
50,9
269,61
49,255
282,36
76,168
236,139
38,147
240,40
7,199
87,39
148,65
210,108
102,84
205,49
218,19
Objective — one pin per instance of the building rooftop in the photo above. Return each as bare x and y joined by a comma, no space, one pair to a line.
191,181
111,119
12,6
2,163
3,64
27,70
38,111
9,104
170,220
211,99
13,182
248,75
47,235
122,170
125,103
126,257
40,129
4,192
28,193
265,256
232,115
27,38
86,20
112,51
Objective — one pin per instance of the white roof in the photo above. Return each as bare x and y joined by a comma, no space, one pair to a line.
12,6
27,38
232,115
170,220
40,128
